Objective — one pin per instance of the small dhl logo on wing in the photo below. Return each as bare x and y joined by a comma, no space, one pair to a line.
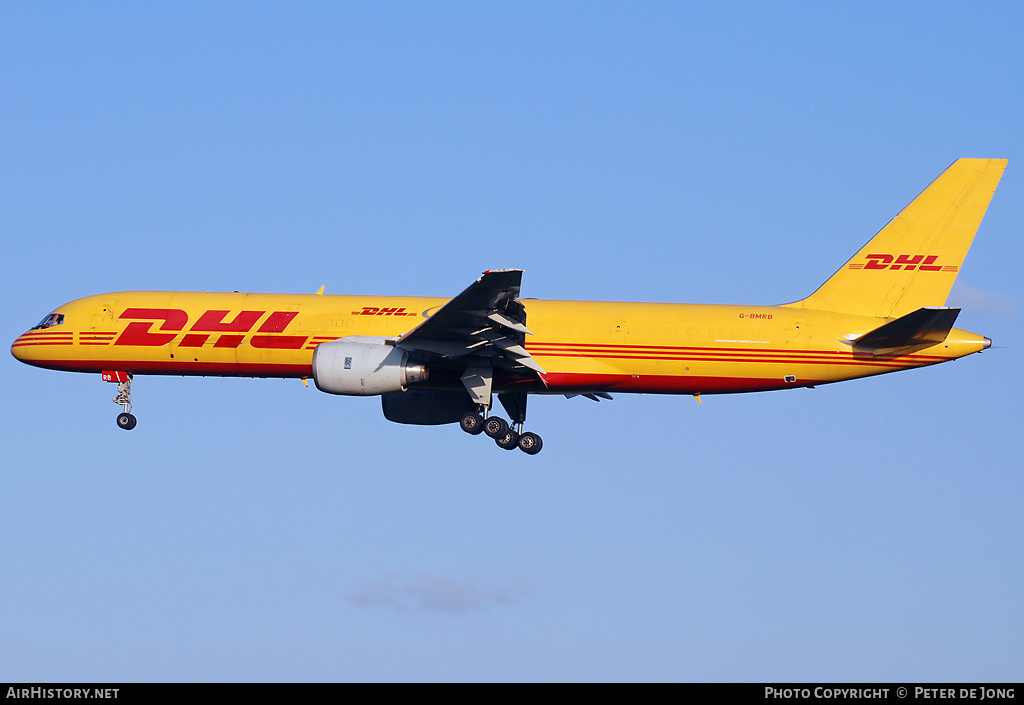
924,263
375,311
173,320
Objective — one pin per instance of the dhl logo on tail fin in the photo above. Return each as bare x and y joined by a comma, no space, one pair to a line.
913,261
908,262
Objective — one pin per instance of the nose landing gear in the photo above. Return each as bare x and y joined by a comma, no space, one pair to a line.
126,419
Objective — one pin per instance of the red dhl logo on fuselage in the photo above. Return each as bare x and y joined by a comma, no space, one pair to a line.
232,333
924,263
375,311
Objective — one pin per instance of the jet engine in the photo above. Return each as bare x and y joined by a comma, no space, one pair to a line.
362,366
427,407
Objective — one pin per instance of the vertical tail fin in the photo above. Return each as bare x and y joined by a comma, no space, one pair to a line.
913,261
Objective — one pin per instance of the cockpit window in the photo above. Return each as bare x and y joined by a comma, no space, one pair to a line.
54,319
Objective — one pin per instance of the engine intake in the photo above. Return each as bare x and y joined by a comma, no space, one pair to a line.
363,366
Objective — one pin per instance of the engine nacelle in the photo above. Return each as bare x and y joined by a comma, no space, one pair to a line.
363,366
426,407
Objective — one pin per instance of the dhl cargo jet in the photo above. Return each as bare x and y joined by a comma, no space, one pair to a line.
437,361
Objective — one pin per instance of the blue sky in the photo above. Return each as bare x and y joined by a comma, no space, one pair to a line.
734,153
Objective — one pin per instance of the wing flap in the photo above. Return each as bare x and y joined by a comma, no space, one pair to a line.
503,320
485,322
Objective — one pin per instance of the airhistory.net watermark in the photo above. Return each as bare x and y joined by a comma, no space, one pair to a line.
62,693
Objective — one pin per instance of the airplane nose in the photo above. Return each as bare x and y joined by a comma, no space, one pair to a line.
18,348
39,347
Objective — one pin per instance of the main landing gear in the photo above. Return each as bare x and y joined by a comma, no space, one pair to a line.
505,436
478,380
126,419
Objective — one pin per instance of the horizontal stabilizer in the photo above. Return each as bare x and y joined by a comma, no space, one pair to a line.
925,326
592,396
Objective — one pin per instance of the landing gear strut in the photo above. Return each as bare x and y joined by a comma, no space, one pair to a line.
125,419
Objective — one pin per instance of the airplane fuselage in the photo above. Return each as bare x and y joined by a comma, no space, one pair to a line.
582,346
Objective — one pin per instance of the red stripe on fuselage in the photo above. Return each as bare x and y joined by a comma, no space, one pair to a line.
666,384
743,355
584,348
792,360
175,367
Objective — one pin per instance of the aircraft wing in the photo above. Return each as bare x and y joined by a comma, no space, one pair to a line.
485,322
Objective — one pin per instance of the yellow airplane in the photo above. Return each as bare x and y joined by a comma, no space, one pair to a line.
436,361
